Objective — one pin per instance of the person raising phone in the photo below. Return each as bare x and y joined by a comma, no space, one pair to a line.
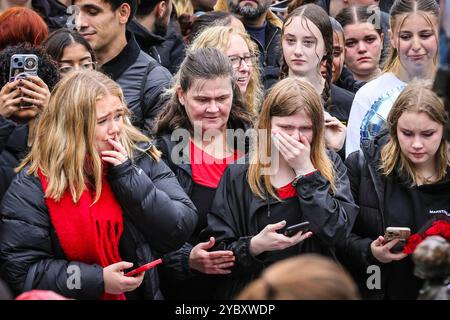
91,198
400,180
307,183
21,102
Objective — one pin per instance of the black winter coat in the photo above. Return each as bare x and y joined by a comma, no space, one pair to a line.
168,50
232,220
176,264
158,218
270,56
143,81
13,148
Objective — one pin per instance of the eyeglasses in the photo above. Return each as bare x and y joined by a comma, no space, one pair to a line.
85,66
249,59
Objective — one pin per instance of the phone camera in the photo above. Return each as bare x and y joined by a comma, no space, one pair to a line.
30,63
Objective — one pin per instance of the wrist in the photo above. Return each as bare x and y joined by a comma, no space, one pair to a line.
254,247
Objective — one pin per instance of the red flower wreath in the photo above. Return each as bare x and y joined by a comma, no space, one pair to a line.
438,228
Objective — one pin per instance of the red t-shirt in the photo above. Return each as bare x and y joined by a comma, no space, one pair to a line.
207,170
287,191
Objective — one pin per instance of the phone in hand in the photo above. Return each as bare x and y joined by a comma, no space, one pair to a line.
22,65
402,233
294,229
143,268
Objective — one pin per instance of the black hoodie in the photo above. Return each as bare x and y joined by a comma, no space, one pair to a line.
387,201
53,12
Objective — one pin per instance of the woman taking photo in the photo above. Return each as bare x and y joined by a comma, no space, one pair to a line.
257,199
88,198
414,49
400,179
21,102
193,137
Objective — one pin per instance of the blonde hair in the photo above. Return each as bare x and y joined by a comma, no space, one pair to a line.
183,7
288,97
418,96
63,148
305,277
219,37
403,8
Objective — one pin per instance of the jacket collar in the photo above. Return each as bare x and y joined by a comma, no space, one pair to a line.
124,59
144,37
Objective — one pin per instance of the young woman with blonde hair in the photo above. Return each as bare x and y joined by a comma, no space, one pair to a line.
400,179
89,197
413,54
243,53
259,198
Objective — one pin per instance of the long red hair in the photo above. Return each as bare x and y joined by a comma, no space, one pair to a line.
19,25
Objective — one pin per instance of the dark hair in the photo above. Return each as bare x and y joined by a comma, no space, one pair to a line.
18,25
320,18
48,69
360,14
407,6
202,63
117,3
145,7
208,19
58,40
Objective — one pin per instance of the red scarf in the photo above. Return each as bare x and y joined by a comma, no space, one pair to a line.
88,233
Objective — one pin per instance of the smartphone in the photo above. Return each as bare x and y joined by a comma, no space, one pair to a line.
20,66
294,229
143,268
401,233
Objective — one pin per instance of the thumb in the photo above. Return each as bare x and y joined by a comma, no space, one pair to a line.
378,241
277,226
119,266
207,245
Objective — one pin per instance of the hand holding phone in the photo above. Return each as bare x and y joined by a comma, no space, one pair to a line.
21,66
401,233
294,229
143,268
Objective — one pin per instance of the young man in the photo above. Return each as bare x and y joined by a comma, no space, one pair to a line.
103,24
156,33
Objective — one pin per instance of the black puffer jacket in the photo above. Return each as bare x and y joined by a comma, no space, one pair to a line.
53,12
232,220
142,79
270,56
168,50
13,148
158,218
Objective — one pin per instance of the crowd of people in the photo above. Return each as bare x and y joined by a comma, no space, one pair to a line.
198,132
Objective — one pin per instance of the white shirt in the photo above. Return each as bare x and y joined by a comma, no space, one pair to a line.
370,109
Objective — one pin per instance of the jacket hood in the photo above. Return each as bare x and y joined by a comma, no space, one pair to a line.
222,5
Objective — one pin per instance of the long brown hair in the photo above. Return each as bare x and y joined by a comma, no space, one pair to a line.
403,8
206,64
418,96
63,148
320,19
306,277
288,97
